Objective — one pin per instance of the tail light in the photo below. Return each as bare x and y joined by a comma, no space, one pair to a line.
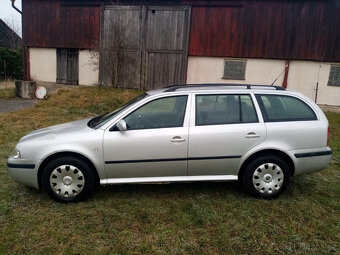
328,136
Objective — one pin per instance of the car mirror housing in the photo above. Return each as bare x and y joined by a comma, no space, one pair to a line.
121,125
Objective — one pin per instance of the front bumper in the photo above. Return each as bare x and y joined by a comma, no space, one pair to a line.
23,172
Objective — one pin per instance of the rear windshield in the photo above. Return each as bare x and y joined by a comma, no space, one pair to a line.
284,108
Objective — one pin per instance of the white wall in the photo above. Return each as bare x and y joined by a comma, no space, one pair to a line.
88,68
210,70
303,75
43,64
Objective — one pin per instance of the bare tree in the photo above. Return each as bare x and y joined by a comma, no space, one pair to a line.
111,55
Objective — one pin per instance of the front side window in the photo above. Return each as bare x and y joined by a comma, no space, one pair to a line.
224,109
102,120
165,112
284,108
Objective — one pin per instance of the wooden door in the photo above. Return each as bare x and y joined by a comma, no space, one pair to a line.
62,66
152,42
121,46
67,66
166,46
72,66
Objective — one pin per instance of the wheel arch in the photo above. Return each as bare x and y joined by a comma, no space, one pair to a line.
265,152
66,154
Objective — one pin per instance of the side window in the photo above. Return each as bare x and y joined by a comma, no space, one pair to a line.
224,109
248,110
160,113
284,108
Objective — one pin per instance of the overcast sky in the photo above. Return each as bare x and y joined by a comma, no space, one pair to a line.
7,13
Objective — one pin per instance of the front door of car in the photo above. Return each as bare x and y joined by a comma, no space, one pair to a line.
223,128
155,143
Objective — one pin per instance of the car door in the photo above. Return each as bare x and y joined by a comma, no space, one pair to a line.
155,143
223,128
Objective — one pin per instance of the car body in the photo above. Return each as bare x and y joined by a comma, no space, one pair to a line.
261,135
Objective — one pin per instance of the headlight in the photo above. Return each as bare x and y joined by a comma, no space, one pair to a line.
16,154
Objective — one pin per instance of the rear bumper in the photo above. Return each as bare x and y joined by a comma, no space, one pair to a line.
311,160
26,174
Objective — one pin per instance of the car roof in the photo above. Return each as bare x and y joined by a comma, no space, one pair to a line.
219,86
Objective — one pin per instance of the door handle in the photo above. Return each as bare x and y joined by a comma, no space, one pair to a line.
177,139
252,135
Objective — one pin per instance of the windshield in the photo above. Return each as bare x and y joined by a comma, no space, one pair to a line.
107,117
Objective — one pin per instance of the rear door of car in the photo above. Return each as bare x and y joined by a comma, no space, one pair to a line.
291,122
223,127
155,143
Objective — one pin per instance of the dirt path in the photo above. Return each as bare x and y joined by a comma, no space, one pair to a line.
11,105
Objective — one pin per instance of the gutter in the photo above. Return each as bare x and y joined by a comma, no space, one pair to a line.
15,8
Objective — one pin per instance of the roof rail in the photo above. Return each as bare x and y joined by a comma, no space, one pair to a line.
247,86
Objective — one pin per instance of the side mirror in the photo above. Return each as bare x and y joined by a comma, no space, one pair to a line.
121,125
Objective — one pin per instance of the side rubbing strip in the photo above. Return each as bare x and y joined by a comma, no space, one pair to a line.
170,159
312,154
29,166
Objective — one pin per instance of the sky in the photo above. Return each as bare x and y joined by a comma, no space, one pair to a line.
7,13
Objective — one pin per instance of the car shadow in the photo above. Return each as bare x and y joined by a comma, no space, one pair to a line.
168,189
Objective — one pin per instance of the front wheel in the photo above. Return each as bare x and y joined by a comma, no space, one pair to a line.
68,179
266,177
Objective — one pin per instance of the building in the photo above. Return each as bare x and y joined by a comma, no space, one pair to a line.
8,38
147,44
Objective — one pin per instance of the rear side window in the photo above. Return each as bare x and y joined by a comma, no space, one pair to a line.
284,108
224,109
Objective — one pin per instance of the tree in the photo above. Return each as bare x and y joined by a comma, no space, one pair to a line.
111,55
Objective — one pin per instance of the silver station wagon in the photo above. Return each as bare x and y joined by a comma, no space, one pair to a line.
260,135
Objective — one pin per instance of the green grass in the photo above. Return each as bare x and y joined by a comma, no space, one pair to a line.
197,218
7,93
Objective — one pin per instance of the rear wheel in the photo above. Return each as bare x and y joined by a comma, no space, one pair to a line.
68,179
266,177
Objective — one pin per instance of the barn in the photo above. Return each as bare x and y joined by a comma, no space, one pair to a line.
8,38
150,44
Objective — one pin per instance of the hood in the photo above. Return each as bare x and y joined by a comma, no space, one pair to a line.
53,131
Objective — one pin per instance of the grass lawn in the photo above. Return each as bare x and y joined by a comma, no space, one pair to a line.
7,93
197,218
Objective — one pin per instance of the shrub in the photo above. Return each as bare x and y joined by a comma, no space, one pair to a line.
11,63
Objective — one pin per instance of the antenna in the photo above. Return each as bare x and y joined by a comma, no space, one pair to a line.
279,75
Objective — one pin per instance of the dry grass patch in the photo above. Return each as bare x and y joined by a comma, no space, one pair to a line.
7,84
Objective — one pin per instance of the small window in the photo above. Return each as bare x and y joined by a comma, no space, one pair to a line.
234,69
161,113
224,109
284,108
334,76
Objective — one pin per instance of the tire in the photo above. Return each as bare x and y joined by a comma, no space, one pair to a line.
68,179
266,177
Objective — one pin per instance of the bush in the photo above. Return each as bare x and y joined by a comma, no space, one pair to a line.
13,61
